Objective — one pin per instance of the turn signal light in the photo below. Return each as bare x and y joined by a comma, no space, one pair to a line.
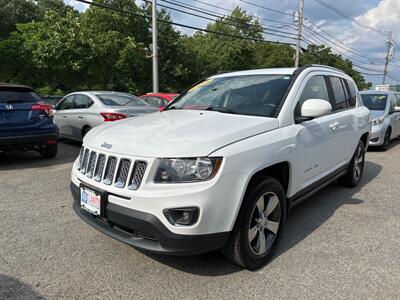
108,116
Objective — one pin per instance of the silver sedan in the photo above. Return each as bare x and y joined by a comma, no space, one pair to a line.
78,112
385,112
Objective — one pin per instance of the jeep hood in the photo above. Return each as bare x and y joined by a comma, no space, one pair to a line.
176,133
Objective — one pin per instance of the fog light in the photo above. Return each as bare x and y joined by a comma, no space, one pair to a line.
375,140
182,216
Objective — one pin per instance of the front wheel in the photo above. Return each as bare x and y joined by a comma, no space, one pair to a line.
259,225
354,173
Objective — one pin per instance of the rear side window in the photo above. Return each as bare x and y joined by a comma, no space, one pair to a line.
398,99
67,103
18,96
155,101
82,101
353,93
339,93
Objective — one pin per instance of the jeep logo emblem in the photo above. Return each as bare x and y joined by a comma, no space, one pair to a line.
107,146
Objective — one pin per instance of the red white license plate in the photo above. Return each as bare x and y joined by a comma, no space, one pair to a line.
91,201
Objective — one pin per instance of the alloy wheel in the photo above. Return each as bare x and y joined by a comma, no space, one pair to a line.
264,223
358,163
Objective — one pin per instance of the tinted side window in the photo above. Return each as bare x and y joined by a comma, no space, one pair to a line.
67,103
398,99
314,89
153,101
393,103
353,93
340,101
82,101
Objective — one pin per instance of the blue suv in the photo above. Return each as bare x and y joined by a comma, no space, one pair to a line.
26,123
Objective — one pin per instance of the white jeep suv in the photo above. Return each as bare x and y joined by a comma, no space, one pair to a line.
223,164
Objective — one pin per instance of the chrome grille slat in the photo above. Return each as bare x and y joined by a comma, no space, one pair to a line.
110,170
91,164
85,161
122,173
98,172
80,157
137,175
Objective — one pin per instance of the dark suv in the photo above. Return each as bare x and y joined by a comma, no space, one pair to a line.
26,123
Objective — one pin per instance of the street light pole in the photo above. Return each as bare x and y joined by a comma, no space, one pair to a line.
389,44
299,27
155,48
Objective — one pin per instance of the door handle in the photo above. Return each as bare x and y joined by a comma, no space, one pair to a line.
80,117
334,125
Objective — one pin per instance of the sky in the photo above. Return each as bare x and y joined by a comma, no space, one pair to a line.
345,28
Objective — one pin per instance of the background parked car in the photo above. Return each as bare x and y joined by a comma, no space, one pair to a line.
159,100
51,99
78,112
385,111
25,122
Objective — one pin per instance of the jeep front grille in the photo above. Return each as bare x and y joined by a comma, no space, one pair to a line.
121,172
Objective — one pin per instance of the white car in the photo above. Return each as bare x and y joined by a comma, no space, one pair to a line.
224,163
385,112
79,112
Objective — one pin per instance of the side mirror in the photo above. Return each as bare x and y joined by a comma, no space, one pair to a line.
314,108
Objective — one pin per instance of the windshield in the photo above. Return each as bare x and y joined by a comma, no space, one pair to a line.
18,97
121,100
374,101
256,95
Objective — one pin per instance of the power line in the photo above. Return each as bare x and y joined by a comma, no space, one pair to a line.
328,6
180,24
266,30
267,8
230,11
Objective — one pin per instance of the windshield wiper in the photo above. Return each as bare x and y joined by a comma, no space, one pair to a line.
221,109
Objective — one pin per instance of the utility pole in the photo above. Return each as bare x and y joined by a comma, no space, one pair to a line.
155,47
389,45
299,27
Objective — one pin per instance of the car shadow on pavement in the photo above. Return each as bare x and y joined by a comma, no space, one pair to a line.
301,222
394,143
12,288
67,153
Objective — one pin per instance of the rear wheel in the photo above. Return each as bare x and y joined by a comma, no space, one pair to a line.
354,173
386,141
50,151
258,227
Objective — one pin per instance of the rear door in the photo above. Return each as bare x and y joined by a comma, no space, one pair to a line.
16,114
63,115
343,103
78,115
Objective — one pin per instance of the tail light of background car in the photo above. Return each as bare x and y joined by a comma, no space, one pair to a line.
47,108
108,116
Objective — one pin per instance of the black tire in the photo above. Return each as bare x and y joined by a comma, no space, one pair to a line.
354,173
244,242
386,142
50,151
85,130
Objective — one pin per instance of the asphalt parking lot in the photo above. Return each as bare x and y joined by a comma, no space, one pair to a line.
341,243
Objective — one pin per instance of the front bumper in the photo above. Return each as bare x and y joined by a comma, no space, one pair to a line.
377,136
145,231
27,141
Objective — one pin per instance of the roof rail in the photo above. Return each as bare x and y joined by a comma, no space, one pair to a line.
321,66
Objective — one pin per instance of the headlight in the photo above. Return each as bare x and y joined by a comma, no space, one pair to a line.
377,121
177,170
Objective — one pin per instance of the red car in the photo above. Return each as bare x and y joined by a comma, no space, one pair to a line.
159,100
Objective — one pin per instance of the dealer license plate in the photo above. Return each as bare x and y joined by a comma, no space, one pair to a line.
91,201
